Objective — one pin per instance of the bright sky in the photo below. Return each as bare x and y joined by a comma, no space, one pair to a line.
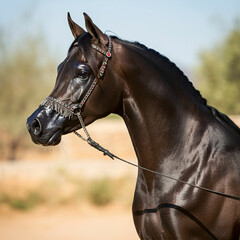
178,29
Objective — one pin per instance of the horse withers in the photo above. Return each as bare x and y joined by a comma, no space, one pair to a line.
173,131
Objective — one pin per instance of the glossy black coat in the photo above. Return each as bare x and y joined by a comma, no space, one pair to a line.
173,131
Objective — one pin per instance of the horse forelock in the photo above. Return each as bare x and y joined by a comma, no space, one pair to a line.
80,42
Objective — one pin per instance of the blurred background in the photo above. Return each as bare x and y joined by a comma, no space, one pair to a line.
65,192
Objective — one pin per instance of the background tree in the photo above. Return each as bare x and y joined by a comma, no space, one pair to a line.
26,72
219,73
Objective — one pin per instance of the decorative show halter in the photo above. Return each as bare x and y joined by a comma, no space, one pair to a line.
70,111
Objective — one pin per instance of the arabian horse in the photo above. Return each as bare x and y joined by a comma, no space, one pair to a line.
173,130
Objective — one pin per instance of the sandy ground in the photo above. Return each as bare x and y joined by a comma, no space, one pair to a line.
106,223
74,223
86,222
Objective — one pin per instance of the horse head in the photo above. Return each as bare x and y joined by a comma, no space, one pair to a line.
88,62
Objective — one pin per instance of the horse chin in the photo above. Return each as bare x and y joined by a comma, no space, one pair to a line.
49,140
55,139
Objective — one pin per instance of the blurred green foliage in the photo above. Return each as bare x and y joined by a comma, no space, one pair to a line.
101,192
67,189
219,73
27,73
31,200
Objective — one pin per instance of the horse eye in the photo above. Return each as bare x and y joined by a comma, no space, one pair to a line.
82,72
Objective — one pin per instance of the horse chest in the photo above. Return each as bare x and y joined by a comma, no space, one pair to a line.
149,226
147,219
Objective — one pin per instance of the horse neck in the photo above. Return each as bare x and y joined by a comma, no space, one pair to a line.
158,109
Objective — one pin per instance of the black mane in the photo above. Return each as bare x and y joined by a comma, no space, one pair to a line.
172,65
222,118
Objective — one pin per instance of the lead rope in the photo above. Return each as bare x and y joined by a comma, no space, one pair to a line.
106,152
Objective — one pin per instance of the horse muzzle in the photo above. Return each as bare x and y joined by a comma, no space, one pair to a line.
46,126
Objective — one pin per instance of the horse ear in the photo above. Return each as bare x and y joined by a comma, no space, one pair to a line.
95,32
76,30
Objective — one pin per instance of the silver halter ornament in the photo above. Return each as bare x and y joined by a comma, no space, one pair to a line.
70,111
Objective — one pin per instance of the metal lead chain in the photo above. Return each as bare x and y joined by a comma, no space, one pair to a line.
83,127
80,136
89,140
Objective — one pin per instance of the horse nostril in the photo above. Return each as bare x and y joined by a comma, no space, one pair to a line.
36,127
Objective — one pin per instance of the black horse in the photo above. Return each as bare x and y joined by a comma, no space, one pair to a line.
173,131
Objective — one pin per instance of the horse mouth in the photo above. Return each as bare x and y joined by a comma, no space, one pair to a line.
55,139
